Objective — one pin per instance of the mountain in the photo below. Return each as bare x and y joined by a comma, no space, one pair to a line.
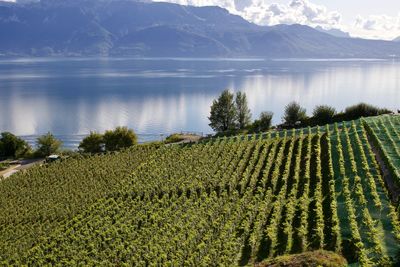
150,29
334,32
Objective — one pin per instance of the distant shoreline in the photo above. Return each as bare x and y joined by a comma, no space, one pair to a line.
24,58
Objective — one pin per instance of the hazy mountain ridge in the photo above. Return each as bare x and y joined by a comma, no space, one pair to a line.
334,32
133,28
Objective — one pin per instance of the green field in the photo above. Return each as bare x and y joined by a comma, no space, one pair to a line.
228,201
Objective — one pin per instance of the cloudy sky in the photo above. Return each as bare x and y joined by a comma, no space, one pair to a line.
361,18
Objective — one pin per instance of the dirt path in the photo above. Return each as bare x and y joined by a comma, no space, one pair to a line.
24,164
9,171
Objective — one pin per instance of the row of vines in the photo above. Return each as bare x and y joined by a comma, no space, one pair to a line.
229,201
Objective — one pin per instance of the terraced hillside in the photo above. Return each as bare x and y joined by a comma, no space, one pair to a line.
229,201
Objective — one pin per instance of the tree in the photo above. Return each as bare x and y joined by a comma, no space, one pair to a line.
323,114
13,146
223,113
120,138
294,113
47,144
264,122
243,115
93,143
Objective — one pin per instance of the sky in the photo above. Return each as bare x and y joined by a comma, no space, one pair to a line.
372,19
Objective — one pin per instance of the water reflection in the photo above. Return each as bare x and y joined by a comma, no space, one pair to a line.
72,97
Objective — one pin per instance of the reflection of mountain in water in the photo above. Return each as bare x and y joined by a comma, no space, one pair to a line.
72,97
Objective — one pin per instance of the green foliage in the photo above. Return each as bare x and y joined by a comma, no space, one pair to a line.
310,259
4,166
174,138
323,114
231,201
120,138
385,135
223,113
93,143
363,110
13,146
264,123
47,144
294,114
243,111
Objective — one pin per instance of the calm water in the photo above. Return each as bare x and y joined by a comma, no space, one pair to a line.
70,97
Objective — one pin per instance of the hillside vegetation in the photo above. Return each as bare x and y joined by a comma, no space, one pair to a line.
228,201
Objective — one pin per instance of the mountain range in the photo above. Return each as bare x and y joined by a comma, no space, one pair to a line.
334,32
147,29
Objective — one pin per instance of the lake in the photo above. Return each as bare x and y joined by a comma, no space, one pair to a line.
156,97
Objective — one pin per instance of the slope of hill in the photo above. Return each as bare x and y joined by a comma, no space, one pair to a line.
231,201
131,28
334,32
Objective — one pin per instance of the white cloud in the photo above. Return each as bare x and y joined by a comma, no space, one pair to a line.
263,12
377,26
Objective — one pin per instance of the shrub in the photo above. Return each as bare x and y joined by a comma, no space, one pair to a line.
294,114
93,143
363,110
120,138
323,114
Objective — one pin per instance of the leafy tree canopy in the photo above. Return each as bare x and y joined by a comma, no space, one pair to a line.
120,138
47,144
264,122
243,111
93,143
13,146
294,113
323,114
223,112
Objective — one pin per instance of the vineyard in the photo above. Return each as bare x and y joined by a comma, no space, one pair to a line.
385,133
228,201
